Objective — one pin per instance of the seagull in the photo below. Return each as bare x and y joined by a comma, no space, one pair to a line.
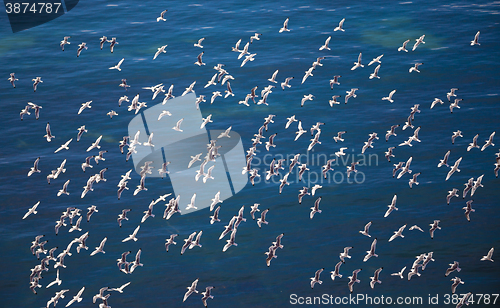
341,24
244,51
177,126
468,209
191,289
456,282
489,142
451,93
375,73
35,167
254,208
32,210
353,279
199,43
335,80
160,50
403,48
456,134
306,98
76,298
345,254
334,101
468,187
103,40
434,226
285,83
229,91
315,279
415,227
64,189
65,41
49,134
135,263
389,98
418,42
371,252
125,85
444,161
477,184
255,37
414,179
262,219
206,120
473,144
57,280
117,67
206,295
325,46
454,168
339,136
366,229
341,152
415,68
358,63
170,241
392,206
375,279
36,81
285,26
389,154
314,188
214,96
273,77
406,168
488,256
400,273
436,100
199,61
161,16
290,120
476,37
451,194
80,48
76,227
85,105
191,204
24,111
377,59
350,94
95,144
120,289
455,104
215,201
13,78
315,209
336,273
398,233
300,132
189,89
113,42
307,74
133,235
453,266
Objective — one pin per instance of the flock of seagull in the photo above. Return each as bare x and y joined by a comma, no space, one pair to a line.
173,206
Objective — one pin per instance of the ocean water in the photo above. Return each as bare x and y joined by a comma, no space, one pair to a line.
240,275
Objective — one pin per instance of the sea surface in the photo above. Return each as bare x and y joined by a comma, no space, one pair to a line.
240,275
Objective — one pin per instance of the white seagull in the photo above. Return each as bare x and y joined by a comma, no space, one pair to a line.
117,67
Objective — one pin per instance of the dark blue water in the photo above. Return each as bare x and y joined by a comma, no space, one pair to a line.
240,275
